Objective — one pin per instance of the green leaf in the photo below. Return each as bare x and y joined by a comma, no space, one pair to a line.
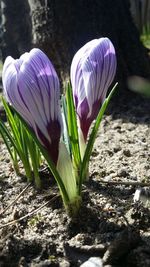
10,144
72,126
12,123
49,161
6,137
66,138
17,139
34,157
92,138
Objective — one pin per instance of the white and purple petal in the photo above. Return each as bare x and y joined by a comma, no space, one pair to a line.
31,86
92,71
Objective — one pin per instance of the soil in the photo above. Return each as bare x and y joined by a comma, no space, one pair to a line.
110,225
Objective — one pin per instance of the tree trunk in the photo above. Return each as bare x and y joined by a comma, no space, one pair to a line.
16,27
60,28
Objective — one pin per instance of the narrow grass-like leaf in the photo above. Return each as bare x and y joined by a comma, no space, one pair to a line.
15,161
66,138
30,150
12,123
49,161
6,139
10,144
22,137
92,137
72,126
34,157
17,139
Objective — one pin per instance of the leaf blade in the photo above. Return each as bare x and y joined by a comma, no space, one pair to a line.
92,137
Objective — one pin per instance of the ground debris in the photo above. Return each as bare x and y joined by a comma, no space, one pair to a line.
125,241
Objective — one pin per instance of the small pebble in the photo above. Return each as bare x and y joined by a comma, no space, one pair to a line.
7,160
117,149
123,172
64,263
110,152
127,152
103,173
93,262
45,263
95,153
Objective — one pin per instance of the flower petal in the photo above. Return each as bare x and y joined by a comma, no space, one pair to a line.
31,85
92,71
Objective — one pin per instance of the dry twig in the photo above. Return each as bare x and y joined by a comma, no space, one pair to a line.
15,200
30,213
141,184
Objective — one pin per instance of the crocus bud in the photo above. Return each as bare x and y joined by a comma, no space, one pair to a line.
32,87
92,71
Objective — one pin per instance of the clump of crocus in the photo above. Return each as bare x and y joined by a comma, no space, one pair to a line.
92,71
31,86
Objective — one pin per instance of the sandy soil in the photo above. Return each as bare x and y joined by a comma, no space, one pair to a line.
110,225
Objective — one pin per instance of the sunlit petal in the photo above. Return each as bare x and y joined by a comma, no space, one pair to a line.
31,86
92,71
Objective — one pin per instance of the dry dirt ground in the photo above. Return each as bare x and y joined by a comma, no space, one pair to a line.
110,225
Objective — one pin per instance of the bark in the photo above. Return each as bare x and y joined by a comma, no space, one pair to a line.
16,27
60,28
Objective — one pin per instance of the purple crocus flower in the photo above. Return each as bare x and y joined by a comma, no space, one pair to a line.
32,87
92,71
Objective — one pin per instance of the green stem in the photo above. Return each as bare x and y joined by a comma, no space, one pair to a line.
36,175
15,162
73,207
92,138
28,170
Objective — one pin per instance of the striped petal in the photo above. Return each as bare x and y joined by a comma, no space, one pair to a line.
31,85
92,71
